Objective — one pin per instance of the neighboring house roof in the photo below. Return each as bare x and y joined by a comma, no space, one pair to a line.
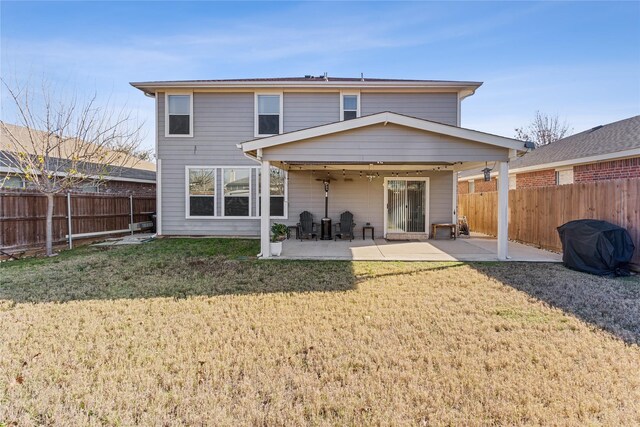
140,171
384,117
21,133
112,173
614,140
465,87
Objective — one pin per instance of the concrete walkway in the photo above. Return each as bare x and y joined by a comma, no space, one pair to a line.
475,248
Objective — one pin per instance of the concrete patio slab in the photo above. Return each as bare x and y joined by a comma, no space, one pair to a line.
475,248
135,239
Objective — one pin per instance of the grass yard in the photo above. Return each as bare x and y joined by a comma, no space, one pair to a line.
196,332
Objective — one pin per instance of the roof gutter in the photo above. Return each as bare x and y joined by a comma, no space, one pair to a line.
465,88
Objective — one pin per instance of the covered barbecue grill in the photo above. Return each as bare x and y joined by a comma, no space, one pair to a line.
596,247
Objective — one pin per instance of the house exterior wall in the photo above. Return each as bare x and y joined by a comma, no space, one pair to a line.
438,107
124,187
543,178
363,198
223,119
305,110
220,121
463,187
615,169
482,186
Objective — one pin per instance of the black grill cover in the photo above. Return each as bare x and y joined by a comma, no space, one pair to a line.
596,247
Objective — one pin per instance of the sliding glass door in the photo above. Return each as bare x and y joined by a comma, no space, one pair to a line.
406,200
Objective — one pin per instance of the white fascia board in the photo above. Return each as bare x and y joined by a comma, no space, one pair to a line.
385,117
619,155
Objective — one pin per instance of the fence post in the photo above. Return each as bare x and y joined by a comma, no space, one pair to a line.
131,212
69,231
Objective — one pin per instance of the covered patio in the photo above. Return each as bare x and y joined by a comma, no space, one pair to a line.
476,248
395,173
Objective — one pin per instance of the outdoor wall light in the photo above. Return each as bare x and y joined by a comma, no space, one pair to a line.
487,173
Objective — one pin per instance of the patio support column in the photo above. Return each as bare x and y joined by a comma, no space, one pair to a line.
503,210
265,208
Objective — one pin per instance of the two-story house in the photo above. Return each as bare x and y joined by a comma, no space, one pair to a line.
389,150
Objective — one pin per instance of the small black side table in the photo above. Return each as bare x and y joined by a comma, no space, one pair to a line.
367,227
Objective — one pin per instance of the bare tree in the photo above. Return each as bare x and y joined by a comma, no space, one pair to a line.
543,129
62,142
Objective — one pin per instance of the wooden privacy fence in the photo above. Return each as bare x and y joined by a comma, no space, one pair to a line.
23,216
535,213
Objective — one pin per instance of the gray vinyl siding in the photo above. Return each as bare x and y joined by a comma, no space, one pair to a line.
363,198
438,107
220,121
305,110
390,143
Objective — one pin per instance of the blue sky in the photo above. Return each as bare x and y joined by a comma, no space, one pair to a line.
580,60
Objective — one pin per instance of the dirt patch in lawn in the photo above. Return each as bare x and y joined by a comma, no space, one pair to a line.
148,336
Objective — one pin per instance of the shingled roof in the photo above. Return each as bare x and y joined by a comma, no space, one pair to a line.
610,138
111,173
324,82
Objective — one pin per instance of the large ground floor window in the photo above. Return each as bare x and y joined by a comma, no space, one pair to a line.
201,187
278,192
237,191
235,185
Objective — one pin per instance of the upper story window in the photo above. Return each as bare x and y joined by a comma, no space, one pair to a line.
179,117
349,106
201,196
268,114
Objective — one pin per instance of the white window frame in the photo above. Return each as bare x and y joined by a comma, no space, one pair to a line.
286,196
255,113
561,175
349,93
166,114
187,194
222,169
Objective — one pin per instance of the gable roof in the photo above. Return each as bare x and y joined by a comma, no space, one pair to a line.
614,140
113,173
614,137
466,87
384,117
21,133
133,170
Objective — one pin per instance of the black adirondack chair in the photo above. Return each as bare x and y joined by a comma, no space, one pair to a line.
345,227
306,226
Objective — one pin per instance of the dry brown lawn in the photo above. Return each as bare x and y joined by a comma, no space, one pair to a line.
190,332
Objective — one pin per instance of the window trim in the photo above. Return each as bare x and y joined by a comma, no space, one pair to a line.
349,93
286,195
166,114
222,215
187,193
255,113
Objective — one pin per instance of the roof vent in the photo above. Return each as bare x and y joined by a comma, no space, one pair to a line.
596,128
